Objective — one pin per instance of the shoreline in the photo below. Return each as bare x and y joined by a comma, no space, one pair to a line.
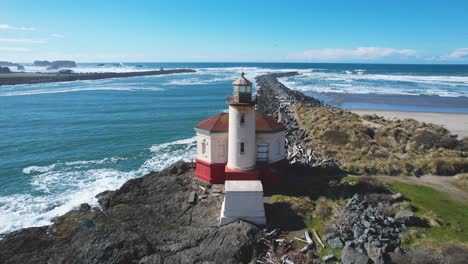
456,123
32,78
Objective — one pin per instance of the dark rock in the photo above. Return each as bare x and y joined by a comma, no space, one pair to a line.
335,242
351,256
407,218
66,71
88,223
85,207
5,70
55,65
104,199
20,67
147,220
42,63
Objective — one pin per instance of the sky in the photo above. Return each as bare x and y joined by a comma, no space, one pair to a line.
371,31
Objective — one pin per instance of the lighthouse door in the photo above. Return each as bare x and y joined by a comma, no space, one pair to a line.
262,152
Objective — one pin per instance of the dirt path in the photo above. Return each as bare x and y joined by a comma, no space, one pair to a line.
441,183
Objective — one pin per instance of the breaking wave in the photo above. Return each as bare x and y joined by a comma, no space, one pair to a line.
63,186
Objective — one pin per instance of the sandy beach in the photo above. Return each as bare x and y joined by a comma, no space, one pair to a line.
454,122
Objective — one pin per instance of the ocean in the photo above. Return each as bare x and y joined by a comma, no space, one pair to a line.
63,143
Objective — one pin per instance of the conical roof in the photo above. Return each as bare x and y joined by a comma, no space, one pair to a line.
242,81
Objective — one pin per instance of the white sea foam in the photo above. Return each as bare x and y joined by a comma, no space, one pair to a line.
31,169
360,83
64,186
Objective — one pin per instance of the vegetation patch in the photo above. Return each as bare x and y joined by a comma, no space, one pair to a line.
446,215
373,145
461,181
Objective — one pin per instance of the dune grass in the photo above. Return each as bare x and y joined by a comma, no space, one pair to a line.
430,204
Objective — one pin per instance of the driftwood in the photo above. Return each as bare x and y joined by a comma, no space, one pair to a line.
318,238
300,239
310,242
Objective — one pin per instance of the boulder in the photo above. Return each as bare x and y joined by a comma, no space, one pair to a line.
407,218
20,67
104,199
351,256
335,242
374,253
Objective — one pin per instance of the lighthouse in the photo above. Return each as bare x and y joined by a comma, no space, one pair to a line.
243,150
240,145
241,135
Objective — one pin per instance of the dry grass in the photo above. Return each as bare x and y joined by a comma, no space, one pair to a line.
390,147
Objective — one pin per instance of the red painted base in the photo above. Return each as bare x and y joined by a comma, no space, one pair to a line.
237,175
217,173
210,173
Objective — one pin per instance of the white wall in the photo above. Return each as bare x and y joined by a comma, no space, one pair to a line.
216,149
276,145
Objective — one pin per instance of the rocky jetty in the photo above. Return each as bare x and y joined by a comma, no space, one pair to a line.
148,220
29,78
273,95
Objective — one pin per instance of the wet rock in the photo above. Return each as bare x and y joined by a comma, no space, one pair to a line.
104,199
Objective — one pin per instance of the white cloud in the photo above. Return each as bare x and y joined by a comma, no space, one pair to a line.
6,26
57,35
14,49
459,54
360,53
22,41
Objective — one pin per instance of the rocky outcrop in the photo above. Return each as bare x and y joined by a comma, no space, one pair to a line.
5,70
42,63
371,230
20,67
147,220
55,65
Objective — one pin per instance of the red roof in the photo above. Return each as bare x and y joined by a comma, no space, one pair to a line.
220,123
242,81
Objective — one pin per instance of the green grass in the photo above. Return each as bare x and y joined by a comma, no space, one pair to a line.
350,179
435,204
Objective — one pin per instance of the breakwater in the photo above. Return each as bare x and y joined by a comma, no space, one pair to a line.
30,78
273,95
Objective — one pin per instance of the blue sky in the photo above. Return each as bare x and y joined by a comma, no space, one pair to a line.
259,31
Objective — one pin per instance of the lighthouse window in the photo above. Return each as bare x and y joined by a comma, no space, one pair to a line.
203,147
242,119
242,147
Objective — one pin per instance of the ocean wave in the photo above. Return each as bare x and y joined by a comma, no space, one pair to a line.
32,169
320,82
77,89
63,186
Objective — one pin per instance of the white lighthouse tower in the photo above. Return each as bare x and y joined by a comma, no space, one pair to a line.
241,141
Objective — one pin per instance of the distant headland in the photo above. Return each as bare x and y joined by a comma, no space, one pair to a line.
65,74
